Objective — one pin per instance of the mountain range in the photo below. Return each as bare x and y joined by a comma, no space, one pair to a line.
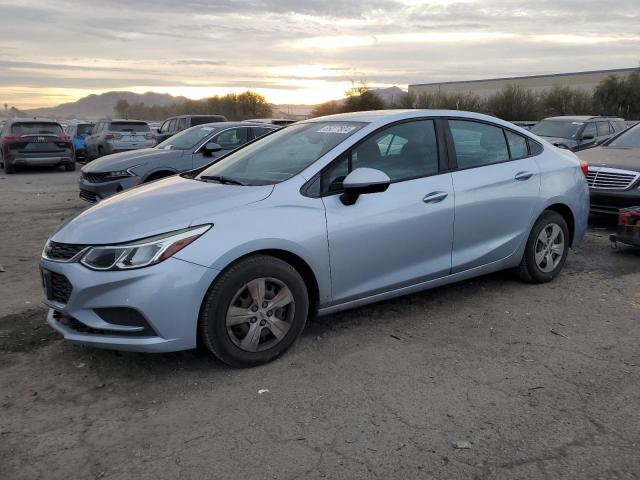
102,105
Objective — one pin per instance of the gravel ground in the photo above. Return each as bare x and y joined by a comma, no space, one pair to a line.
541,381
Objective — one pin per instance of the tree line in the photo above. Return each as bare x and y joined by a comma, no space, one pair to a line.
619,96
232,106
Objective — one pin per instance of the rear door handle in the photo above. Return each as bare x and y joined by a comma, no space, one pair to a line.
524,175
435,197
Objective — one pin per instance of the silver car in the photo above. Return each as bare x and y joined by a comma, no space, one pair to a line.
113,136
324,215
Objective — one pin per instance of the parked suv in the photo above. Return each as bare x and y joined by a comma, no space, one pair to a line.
32,142
579,132
192,148
78,133
321,216
112,136
173,125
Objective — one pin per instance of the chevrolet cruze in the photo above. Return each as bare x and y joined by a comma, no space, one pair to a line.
325,215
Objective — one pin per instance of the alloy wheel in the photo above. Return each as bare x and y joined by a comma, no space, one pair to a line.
549,247
260,314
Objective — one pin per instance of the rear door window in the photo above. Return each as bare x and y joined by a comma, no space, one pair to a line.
36,128
590,130
182,124
603,129
478,144
233,138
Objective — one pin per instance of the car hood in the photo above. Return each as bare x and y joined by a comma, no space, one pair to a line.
624,158
125,160
557,141
154,208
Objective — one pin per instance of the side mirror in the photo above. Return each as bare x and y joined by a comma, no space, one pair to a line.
362,181
588,136
210,148
158,130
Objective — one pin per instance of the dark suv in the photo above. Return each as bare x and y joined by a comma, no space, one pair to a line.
578,132
173,125
34,142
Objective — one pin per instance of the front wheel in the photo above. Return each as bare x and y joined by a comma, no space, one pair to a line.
547,249
254,312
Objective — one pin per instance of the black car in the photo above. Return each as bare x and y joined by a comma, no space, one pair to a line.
35,142
578,132
614,172
173,125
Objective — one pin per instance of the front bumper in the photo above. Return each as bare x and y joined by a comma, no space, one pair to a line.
611,201
167,296
94,192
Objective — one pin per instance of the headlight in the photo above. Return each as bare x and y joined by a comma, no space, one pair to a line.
118,174
141,253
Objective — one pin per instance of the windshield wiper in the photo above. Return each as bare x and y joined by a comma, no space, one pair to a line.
223,179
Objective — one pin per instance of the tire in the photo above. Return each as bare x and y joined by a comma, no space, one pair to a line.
536,266
100,152
9,168
70,167
248,339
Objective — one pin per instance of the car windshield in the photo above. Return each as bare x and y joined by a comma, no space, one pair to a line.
557,128
283,154
84,128
128,127
36,128
187,139
629,139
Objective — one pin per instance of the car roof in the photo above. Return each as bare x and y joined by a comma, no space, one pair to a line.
580,118
31,119
383,117
121,120
234,124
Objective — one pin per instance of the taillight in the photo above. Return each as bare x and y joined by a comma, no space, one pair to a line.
112,136
149,136
66,138
584,166
13,138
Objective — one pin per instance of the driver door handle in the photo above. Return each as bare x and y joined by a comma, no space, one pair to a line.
435,197
523,175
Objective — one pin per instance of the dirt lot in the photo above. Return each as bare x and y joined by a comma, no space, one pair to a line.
379,392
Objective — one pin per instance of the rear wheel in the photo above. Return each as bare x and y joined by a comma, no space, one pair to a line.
547,249
254,312
9,168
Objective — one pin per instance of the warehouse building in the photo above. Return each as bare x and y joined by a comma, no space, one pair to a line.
537,83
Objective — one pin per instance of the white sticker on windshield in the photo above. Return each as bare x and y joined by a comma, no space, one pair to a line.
207,129
336,129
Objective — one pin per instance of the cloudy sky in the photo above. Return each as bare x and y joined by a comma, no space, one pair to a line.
297,51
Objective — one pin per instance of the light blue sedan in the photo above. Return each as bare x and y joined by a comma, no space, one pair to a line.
324,215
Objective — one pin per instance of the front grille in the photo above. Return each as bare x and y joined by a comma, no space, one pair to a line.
96,177
611,178
88,195
60,288
62,251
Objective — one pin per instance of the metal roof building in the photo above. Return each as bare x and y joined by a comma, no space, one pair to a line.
537,83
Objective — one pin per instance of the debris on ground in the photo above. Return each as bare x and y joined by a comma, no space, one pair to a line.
2,269
263,390
555,332
462,445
